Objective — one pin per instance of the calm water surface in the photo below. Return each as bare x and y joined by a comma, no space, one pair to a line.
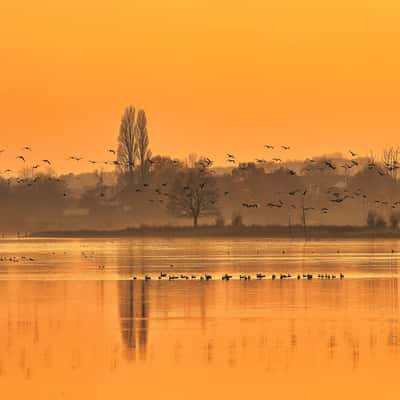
69,330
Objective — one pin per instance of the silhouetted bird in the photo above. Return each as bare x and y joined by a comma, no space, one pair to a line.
330,165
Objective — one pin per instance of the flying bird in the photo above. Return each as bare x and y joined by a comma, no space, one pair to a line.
285,147
330,165
353,154
21,158
269,146
250,205
46,161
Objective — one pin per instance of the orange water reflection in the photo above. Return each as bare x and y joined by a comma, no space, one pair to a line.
102,339
79,339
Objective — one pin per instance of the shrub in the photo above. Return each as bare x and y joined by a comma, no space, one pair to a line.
371,219
219,221
374,220
237,220
394,220
380,222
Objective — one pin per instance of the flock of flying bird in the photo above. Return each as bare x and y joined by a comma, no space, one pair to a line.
337,196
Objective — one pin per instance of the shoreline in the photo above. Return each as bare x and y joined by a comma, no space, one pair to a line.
296,232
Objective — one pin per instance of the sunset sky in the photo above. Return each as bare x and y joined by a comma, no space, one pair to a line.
213,76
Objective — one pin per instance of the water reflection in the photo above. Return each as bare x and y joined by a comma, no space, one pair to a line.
250,323
134,317
69,338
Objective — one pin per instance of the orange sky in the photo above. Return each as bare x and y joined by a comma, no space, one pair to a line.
321,76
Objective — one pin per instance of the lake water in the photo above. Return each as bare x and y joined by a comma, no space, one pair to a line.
72,330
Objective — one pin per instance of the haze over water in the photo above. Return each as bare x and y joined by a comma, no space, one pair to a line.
70,330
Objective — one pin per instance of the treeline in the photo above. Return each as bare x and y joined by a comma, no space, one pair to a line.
184,193
160,190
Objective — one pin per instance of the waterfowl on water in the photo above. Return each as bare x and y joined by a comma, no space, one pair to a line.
227,277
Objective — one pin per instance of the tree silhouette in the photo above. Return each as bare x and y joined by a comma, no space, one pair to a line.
142,135
194,193
127,144
391,161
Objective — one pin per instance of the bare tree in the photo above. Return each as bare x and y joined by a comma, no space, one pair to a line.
127,143
144,153
192,160
194,194
390,158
